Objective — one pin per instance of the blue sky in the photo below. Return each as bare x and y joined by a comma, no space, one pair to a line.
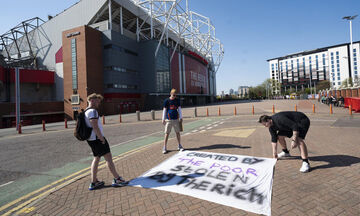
252,31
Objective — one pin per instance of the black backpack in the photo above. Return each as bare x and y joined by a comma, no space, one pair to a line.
82,131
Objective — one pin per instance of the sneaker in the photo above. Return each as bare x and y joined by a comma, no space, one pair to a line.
283,154
180,148
96,185
164,151
120,182
305,167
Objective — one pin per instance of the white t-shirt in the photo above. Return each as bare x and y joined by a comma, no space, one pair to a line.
93,114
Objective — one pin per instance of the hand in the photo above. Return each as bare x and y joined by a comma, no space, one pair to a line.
180,120
163,121
103,140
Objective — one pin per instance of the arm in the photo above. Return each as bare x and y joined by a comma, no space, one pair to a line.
180,113
274,149
164,115
94,125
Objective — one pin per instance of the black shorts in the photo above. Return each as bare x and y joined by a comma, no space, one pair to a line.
304,126
98,148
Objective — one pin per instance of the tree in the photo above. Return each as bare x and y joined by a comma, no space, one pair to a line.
325,84
347,83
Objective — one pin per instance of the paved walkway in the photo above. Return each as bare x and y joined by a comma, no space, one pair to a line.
331,188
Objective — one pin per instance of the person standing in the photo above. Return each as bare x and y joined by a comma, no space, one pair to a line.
294,125
99,145
171,118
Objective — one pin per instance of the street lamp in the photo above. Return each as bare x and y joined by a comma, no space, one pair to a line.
350,18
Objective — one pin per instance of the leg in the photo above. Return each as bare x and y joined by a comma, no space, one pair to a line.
282,142
111,165
166,137
303,149
178,137
94,168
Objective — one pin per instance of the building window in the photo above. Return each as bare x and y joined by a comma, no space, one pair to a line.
163,70
74,64
131,52
120,86
337,52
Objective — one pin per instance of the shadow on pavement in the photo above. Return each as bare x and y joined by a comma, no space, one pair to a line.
334,161
218,146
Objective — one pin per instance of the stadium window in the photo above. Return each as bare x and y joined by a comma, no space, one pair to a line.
131,52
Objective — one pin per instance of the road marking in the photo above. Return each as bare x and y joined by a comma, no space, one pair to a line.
202,127
135,139
186,134
70,180
202,131
221,123
209,128
6,183
242,133
208,125
26,210
216,125
194,131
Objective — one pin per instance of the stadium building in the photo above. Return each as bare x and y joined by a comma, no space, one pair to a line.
131,51
304,69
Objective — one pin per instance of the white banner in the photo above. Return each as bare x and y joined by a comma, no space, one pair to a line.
238,181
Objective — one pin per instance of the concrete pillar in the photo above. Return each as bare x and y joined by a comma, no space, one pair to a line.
138,115
152,112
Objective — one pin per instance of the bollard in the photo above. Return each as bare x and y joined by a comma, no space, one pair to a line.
120,120
253,110
43,124
103,120
295,108
273,109
195,112
313,108
207,112
331,109
350,110
235,110
219,112
152,112
138,115
19,129
65,120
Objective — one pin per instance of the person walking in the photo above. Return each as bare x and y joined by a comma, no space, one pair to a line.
99,145
172,118
294,125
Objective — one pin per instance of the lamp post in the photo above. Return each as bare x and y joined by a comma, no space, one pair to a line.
350,18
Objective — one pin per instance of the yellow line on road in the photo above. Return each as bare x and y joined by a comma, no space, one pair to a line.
101,165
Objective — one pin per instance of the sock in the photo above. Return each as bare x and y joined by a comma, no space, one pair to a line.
286,151
306,160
